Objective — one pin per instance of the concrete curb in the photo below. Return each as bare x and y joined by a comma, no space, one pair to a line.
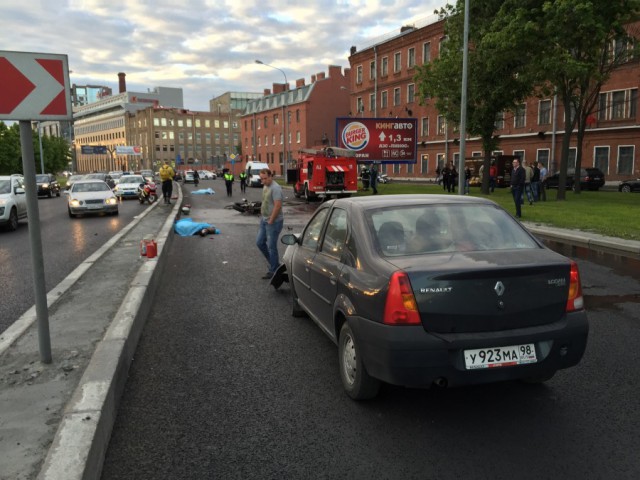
80,443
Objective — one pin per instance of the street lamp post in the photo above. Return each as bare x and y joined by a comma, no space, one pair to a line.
284,112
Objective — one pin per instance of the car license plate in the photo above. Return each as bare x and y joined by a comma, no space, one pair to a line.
500,356
94,207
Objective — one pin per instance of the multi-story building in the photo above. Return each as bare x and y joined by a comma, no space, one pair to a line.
382,85
103,123
310,112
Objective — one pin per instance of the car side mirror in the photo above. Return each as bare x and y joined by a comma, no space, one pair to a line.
289,239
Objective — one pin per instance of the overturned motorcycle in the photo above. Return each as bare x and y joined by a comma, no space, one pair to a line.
147,192
246,206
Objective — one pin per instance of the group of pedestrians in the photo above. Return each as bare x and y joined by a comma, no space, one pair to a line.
448,175
527,180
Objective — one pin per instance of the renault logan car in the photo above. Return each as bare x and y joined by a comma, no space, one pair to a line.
422,290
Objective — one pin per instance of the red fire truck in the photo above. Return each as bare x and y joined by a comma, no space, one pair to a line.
323,172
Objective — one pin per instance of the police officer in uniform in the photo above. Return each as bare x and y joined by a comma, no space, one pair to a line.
243,181
228,181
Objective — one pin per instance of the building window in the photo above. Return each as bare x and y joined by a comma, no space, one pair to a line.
425,126
163,122
542,156
544,112
571,161
410,168
411,89
601,158
442,125
519,116
424,164
156,122
397,62
298,136
197,123
384,66
396,96
372,102
625,159
411,58
359,105
372,70
384,100
359,74
499,124
618,104
265,122
298,115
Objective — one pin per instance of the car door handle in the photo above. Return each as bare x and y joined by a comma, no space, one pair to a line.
333,280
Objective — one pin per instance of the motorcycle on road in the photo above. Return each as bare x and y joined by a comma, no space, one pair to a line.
147,193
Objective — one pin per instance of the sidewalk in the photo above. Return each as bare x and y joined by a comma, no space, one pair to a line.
56,420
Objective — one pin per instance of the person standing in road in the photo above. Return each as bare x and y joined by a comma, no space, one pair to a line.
228,181
518,177
166,177
543,185
243,181
271,221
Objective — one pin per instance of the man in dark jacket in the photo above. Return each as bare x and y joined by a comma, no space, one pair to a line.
518,177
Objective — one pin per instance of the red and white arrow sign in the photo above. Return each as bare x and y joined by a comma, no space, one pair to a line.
35,86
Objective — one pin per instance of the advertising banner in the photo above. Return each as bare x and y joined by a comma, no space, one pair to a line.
128,150
93,149
384,140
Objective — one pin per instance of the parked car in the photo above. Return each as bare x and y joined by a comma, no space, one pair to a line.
105,177
590,179
127,186
188,177
72,179
383,178
627,186
91,196
13,201
47,185
421,290
178,176
207,175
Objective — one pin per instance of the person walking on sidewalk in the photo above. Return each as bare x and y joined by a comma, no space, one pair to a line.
228,181
166,177
271,221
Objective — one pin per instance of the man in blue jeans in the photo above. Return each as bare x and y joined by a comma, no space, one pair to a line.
271,221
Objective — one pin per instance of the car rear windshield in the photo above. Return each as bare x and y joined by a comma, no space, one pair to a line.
427,229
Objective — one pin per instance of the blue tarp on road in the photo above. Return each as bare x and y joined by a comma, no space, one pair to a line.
186,227
205,191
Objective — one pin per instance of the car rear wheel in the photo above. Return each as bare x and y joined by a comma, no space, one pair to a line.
358,384
626,189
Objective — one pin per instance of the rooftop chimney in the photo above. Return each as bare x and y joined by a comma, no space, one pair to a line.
122,84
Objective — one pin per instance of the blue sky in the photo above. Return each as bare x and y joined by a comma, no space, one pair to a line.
207,47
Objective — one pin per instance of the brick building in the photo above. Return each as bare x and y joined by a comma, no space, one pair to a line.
382,85
311,111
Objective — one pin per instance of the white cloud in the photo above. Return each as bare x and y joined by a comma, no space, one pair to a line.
207,47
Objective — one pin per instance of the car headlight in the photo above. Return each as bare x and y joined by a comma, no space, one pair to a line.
111,201
3,201
45,185
74,202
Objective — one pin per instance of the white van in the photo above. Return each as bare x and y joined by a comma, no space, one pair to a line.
253,173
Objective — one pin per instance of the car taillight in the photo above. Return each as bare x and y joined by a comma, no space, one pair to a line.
575,301
401,307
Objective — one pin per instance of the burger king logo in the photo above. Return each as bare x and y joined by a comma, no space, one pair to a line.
355,136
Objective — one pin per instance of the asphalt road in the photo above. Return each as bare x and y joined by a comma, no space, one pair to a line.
66,242
226,384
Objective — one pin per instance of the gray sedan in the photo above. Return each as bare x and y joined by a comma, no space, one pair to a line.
91,196
422,290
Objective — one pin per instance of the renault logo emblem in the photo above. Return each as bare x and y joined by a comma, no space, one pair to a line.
499,288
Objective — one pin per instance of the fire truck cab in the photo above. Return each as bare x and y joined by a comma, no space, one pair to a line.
322,172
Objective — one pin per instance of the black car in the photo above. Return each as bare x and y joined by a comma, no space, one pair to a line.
105,177
590,179
421,290
627,186
48,185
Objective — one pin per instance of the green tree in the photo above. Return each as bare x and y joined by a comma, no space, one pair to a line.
571,47
494,84
10,154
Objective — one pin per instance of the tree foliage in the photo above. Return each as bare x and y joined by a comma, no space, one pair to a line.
494,85
56,151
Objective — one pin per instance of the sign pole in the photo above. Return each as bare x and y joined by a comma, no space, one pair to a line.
37,259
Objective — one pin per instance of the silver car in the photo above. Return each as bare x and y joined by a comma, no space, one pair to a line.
91,196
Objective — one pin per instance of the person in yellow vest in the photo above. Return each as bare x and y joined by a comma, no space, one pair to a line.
166,176
228,181
243,181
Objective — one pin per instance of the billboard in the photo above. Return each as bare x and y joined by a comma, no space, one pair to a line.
93,149
128,150
384,140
